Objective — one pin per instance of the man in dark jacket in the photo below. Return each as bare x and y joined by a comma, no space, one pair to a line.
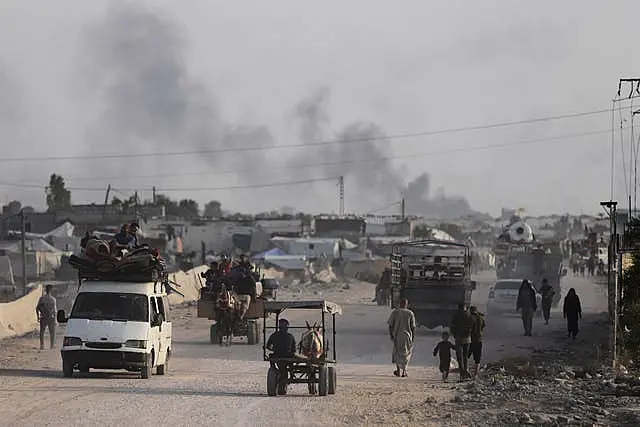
477,332
527,305
461,327
282,344
547,293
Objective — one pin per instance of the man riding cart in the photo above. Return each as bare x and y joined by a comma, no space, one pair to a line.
234,302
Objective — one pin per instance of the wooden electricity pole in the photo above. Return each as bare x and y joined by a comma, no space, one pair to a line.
23,252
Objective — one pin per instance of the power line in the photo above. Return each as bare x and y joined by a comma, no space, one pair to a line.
192,189
360,161
129,155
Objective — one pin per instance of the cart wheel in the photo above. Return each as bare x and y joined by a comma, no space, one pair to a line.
332,380
213,334
272,381
323,380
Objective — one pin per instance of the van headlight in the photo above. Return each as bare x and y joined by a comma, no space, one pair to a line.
71,341
136,343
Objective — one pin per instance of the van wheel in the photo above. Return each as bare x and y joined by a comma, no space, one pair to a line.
146,369
67,369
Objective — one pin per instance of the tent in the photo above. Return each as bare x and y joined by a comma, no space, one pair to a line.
270,253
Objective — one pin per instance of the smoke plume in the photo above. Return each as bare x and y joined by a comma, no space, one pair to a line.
150,100
362,156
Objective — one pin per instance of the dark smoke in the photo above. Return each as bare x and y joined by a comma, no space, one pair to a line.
366,164
151,101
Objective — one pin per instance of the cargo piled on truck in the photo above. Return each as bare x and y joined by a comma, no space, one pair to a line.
434,275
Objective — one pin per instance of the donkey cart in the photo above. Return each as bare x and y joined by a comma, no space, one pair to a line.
313,364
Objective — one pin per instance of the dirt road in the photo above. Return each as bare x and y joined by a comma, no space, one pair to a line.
212,385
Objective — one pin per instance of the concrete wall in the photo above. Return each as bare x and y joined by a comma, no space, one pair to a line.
19,317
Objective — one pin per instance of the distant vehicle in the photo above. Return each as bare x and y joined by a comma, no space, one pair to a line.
518,253
503,297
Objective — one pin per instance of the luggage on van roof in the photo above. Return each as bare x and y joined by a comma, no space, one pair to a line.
142,265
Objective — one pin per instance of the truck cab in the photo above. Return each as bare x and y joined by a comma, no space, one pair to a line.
117,325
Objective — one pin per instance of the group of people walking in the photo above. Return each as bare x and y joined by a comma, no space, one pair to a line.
527,305
467,328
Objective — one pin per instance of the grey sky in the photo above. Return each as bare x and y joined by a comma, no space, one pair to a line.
243,67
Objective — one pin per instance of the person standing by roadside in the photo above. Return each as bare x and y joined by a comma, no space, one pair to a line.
572,311
547,293
475,349
46,313
402,330
527,305
461,327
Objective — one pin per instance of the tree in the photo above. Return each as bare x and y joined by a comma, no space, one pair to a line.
213,209
58,197
189,208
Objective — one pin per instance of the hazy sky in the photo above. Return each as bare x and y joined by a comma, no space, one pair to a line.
98,77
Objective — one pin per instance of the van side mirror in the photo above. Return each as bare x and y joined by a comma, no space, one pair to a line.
61,316
474,284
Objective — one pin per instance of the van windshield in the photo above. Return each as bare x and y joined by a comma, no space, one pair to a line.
111,306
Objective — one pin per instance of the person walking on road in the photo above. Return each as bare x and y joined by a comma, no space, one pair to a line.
475,349
547,293
402,330
443,348
527,305
572,311
461,327
46,313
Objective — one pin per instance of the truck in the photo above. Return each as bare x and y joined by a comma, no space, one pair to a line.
435,276
519,255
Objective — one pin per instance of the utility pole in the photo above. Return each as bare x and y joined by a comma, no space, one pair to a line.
612,279
23,252
106,201
341,194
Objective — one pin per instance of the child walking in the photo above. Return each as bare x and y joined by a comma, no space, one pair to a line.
444,348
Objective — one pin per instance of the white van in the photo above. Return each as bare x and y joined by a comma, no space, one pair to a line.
117,325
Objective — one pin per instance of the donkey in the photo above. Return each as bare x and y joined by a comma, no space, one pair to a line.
311,343
225,306
311,346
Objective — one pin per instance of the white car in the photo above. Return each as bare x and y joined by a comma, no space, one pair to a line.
117,325
504,295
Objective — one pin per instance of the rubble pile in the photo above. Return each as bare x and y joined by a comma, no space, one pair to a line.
564,383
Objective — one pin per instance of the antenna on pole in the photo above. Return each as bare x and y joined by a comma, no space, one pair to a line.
341,194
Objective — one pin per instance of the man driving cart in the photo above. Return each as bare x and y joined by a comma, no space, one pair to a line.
282,345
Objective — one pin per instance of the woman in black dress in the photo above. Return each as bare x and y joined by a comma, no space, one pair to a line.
572,311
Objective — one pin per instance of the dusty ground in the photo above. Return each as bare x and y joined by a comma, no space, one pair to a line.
211,385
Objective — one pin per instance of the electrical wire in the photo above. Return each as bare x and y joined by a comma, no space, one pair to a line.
357,161
130,155
192,189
